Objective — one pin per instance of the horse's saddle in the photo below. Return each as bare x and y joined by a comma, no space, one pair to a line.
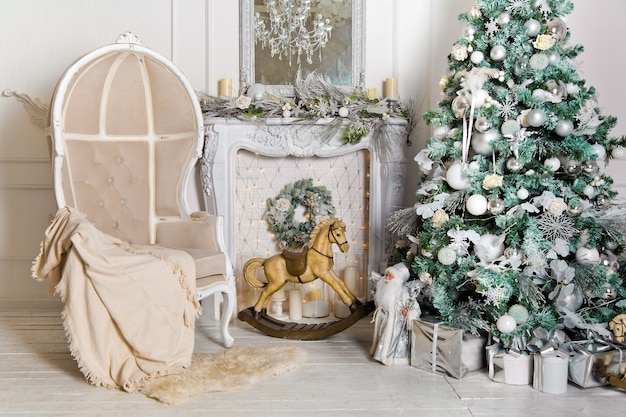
296,261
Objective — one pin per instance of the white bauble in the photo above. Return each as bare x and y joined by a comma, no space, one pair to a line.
553,164
286,114
533,27
446,256
441,132
599,150
455,177
536,117
589,191
343,112
564,127
498,53
522,193
587,255
477,57
619,153
481,142
506,324
476,204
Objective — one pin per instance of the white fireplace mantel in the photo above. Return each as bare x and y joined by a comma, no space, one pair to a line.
275,138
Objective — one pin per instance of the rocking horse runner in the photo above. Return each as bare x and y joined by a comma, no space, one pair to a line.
318,264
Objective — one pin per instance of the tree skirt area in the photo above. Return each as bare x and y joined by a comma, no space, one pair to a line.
232,369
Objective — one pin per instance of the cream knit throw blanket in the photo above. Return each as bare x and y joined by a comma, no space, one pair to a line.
129,311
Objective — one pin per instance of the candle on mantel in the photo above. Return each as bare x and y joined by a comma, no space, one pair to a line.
225,87
391,89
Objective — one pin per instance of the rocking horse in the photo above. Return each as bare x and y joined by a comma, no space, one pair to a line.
315,261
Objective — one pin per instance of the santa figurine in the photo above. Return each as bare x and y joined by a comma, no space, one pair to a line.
396,308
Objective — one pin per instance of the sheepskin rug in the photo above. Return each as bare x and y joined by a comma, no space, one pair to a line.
233,369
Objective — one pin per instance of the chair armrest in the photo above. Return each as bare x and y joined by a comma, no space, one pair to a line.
217,223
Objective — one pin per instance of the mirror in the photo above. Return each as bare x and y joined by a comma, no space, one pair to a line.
341,57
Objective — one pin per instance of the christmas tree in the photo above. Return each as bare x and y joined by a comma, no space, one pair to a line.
515,225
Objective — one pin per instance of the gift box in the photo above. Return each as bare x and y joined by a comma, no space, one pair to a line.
443,349
509,367
590,361
550,373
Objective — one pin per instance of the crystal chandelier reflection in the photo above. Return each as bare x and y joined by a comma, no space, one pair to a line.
288,35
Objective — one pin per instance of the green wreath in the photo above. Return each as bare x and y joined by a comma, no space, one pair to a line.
317,203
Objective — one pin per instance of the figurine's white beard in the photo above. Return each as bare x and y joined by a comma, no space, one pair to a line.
387,292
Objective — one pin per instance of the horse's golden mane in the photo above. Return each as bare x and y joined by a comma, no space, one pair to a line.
321,225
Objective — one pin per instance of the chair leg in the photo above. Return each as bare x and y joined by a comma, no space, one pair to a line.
228,304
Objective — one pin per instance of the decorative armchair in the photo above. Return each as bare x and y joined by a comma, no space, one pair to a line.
126,131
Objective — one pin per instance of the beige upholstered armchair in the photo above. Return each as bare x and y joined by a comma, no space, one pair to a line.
126,132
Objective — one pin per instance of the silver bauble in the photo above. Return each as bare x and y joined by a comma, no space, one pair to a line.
554,57
609,292
609,260
460,105
469,30
504,19
536,117
572,167
557,28
571,301
514,165
495,206
533,27
574,210
511,252
558,88
602,200
590,167
482,124
610,245
564,128
498,53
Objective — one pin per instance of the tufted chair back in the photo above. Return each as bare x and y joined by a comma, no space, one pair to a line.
127,133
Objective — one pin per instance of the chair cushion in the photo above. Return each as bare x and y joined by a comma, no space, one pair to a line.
210,266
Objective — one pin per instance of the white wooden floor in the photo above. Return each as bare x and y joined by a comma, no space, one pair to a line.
38,377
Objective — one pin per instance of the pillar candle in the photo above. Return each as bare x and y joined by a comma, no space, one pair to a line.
295,305
391,88
315,295
350,278
225,87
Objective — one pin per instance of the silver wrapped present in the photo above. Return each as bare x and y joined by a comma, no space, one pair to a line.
590,362
443,349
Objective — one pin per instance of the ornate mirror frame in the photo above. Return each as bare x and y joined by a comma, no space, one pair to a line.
247,48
